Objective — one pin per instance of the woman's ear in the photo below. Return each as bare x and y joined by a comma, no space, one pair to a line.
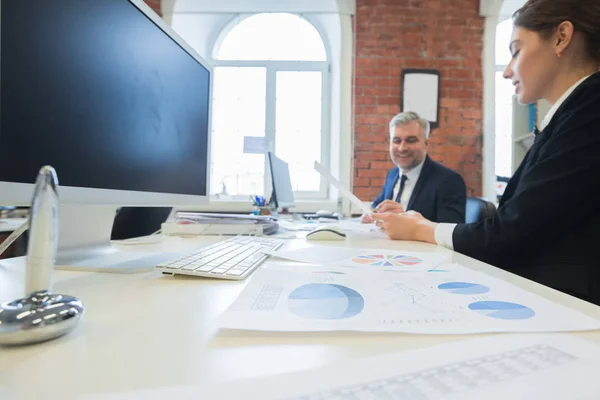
563,37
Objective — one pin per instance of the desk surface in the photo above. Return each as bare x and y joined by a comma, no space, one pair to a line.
146,331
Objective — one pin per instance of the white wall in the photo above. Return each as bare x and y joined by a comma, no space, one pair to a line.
199,30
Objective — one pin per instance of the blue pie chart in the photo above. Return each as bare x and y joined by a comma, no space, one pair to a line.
464,288
325,301
502,310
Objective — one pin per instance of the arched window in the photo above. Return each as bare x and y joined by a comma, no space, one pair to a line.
504,101
270,92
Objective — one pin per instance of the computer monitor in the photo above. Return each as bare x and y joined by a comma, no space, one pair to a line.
282,195
107,94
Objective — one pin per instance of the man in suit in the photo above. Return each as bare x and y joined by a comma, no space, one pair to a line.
417,182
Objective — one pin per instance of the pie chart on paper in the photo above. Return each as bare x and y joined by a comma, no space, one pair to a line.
387,260
502,309
463,288
325,301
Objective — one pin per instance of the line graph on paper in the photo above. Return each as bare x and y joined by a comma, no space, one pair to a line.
421,301
415,302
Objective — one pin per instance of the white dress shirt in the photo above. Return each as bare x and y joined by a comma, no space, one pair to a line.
443,231
412,177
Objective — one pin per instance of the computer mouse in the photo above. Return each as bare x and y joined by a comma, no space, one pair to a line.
326,232
324,213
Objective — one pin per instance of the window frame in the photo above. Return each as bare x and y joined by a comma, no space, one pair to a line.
272,67
500,68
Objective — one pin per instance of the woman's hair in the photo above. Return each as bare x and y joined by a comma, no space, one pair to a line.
544,16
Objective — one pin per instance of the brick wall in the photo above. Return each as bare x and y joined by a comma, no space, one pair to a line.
155,5
395,34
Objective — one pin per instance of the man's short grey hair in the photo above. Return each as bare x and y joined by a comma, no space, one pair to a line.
404,118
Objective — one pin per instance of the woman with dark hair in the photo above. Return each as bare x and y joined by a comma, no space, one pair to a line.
547,226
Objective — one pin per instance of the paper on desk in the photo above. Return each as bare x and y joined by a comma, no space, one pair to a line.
552,367
368,258
345,192
344,225
450,299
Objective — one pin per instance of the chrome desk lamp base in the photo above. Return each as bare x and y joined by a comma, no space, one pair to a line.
41,316
37,318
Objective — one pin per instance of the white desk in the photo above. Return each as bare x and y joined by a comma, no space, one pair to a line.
149,331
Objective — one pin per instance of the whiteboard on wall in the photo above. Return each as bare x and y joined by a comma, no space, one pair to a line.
421,94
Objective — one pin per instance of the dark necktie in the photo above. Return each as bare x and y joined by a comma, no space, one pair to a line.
402,182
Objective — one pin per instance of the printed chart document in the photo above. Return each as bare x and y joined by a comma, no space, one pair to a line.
550,367
450,299
358,257
345,192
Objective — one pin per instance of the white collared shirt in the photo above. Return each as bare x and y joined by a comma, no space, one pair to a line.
443,231
560,100
412,177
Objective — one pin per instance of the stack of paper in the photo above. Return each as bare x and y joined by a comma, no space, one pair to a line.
191,223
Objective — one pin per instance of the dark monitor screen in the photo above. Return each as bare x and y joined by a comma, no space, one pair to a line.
282,195
100,92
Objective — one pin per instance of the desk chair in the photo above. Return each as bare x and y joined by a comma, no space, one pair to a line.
133,222
478,209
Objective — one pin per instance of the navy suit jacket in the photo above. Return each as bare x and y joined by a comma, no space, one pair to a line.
547,226
440,194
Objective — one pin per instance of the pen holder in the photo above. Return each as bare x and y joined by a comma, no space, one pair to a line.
42,315
264,210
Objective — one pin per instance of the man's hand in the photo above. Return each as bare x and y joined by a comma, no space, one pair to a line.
410,225
366,219
389,206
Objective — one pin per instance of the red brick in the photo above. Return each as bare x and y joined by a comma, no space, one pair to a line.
369,82
377,91
381,165
361,164
372,173
366,193
392,35
155,5
378,183
472,114
361,182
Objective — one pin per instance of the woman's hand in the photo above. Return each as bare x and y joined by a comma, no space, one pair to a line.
410,225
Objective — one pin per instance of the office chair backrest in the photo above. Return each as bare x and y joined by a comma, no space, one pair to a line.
478,209
133,222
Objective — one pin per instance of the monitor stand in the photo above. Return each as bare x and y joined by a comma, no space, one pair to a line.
84,243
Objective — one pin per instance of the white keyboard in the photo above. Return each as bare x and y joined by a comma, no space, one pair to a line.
234,258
